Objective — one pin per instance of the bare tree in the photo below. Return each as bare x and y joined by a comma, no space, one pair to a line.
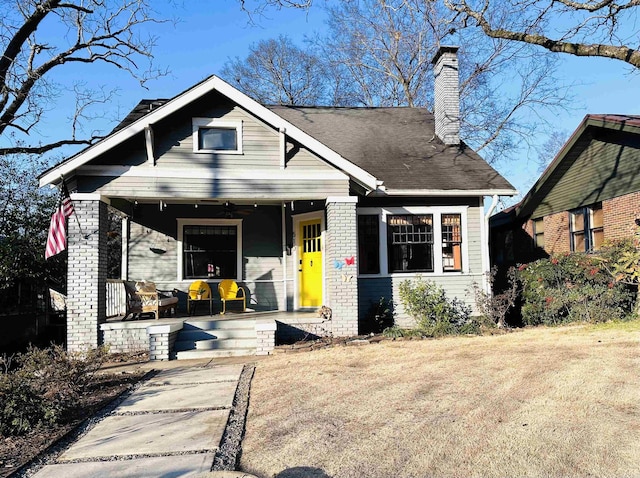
601,28
37,37
384,50
278,72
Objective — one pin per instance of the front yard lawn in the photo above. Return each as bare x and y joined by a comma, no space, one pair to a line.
537,402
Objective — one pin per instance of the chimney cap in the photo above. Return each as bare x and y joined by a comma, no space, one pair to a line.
442,50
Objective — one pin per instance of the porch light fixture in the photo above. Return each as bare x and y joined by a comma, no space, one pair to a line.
195,205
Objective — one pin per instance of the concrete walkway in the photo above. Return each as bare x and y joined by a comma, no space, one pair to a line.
170,426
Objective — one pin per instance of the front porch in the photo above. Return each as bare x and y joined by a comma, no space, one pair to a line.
184,337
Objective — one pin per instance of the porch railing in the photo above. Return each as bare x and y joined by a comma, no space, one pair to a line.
116,298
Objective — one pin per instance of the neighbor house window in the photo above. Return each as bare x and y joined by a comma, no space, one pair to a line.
368,244
538,233
451,242
410,243
217,136
586,228
211,250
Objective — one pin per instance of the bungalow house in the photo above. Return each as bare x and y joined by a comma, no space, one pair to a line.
590,193
302,206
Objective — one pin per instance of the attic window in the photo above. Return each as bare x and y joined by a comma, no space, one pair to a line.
217,136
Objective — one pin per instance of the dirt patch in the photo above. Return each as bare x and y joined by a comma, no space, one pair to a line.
16,452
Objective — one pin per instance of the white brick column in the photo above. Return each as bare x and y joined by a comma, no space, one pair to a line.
342,283
86,274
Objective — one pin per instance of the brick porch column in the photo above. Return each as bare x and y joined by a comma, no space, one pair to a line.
342,284
86,274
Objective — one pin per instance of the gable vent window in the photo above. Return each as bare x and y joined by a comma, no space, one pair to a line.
217,136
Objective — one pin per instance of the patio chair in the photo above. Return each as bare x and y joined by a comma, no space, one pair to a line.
229,290
198,291
143,298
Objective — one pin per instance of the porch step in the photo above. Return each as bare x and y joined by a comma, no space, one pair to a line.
216,338
196,354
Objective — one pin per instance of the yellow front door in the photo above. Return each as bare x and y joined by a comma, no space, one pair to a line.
310,269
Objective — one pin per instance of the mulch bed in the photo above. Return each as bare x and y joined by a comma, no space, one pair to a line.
15,452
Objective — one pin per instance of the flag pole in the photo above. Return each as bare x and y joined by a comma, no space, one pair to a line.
63,185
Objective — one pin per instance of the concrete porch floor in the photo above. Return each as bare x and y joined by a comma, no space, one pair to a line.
289,317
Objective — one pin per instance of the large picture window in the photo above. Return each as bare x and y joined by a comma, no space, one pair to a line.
586,228
410,243
210,249
368,244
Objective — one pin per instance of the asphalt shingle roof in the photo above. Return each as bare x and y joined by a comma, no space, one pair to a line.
396,145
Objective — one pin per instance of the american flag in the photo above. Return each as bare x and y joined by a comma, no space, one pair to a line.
57,238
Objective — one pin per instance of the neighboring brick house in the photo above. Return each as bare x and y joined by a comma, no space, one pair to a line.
304,206
590,193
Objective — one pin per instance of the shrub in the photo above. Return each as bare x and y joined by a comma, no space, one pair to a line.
495,306
434,313
379,317
571,288
43,386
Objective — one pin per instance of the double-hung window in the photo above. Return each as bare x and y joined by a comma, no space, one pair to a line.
210,249
586,228
451,242
410,243
212,135
538,233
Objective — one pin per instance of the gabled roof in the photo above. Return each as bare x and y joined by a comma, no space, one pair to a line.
394,146
542,187
125,131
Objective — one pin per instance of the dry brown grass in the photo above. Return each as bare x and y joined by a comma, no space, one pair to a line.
540,402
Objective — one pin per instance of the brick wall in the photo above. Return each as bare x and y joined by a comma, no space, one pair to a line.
556,233
86,274
342,284
619,215
125,340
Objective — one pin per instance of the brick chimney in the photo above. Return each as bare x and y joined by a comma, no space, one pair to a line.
446,107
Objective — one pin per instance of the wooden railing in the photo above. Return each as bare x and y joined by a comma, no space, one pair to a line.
116,298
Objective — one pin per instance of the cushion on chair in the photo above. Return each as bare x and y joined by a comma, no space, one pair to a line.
167,301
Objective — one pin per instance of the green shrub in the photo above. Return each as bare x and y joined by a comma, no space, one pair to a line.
434,313
572,288
42,386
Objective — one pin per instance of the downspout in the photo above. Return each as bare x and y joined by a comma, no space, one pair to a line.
284,257
486,262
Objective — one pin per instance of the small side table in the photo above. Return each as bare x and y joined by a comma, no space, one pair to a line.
189,300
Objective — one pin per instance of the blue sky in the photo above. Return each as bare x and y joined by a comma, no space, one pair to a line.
211,32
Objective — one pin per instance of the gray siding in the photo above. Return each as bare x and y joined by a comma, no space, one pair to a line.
262,253
173,148
371,289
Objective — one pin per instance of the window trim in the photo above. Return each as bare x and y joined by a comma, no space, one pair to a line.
587,230
437,212
203,123
209,222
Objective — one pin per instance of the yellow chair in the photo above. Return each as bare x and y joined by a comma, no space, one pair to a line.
230,290
199,290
